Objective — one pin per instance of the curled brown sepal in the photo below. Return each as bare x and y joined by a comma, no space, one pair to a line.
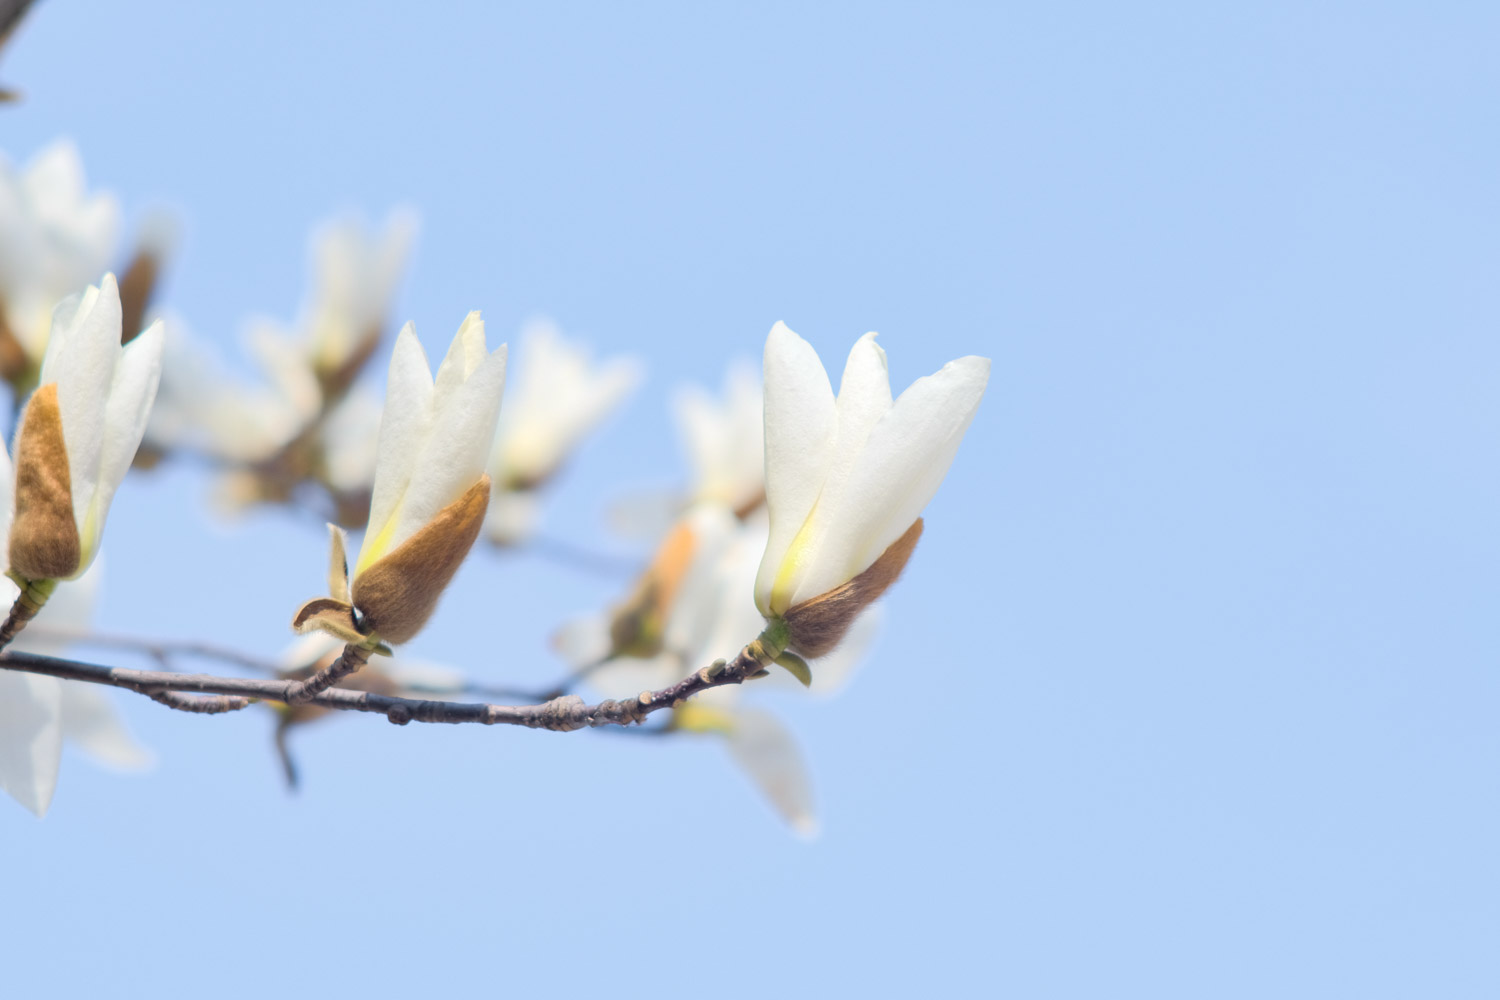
44,542
817,625
397,595
337,618
327,614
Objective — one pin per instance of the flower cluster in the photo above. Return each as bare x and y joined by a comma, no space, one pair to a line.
802,509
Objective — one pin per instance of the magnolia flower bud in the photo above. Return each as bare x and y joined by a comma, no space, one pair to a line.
430,492
846,479
79,433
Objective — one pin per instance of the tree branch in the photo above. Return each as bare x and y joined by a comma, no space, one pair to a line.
563,714
165,651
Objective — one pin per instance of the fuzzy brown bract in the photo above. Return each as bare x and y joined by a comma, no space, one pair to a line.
398,594
44,543
817,625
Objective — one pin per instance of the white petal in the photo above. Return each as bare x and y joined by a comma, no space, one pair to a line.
864,397
54,177
90,722
557,399
83,366
801,422
404,425
125,416
457,448
30,737
284,361
465,354
903,462
306,650
769,755
716,614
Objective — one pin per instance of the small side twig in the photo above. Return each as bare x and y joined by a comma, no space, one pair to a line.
353,657
27,603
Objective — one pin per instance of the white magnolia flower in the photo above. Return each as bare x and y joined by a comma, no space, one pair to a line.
430,491
55,238
356,274
307,371
201,406
79,433
724,440
37,714
847,478
559,396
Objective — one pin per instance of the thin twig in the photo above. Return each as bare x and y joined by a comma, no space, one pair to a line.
560,714
165,651
303,691
24,609
161,650
200,704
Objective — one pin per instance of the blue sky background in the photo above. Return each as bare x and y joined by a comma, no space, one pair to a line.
1191,687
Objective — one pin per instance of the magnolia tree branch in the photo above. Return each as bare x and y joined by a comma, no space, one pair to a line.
562,714
166,651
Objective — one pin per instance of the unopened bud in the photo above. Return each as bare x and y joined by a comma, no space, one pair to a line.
44,543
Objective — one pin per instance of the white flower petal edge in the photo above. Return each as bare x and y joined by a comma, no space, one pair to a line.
89,719
356,273
839,496
30,708
54,238
435,434
90,722
104,396
30,738
724,439
763,748
561,394
801,427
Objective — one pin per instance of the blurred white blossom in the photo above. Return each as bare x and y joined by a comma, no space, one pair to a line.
304,419
356,272
37,714
55,238
724,441
558,395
